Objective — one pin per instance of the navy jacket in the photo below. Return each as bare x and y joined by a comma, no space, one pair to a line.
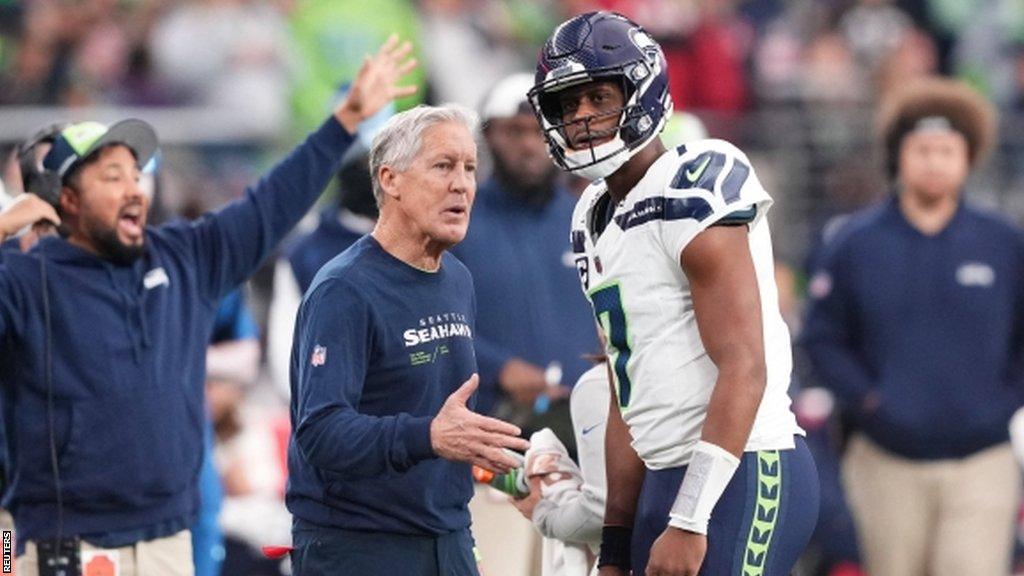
378,348
933,325
530,304
128,347
9,245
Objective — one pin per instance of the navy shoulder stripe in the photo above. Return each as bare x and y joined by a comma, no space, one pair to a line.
661,208
578,240
734,181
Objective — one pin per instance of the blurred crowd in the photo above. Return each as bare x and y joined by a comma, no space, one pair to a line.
282,59
793,82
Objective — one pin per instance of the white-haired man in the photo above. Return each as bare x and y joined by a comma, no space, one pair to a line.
383,372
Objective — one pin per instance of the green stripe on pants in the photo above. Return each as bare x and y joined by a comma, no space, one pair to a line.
766,512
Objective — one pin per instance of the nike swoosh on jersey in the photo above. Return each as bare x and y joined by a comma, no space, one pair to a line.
586,431
693,175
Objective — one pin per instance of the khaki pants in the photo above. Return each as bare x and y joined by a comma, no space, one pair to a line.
933,518
170,556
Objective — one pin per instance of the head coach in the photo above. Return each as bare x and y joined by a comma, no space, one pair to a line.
105,332
382,369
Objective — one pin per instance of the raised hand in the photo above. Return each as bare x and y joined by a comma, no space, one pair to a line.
458,433
376,83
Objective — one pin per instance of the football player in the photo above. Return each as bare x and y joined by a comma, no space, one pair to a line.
707,469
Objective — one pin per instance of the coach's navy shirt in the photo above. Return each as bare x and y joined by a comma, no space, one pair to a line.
933,325
378,348
128,363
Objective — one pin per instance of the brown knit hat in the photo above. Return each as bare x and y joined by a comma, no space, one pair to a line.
965,110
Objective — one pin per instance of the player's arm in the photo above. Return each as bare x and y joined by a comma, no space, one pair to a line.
574,516
577,516
727,305
625,473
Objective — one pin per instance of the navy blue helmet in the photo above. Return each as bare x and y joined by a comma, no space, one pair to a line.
602,46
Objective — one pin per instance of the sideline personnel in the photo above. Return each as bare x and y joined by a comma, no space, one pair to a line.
106,333
384,370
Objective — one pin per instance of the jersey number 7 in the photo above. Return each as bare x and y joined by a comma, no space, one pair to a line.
607,301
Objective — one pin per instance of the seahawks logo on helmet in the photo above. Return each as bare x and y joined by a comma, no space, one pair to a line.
643,41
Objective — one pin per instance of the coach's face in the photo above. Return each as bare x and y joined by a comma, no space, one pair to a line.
435,194
106,208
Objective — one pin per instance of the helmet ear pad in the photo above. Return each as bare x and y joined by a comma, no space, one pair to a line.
34,178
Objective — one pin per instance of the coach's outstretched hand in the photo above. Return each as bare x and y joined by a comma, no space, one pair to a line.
458,433
374,85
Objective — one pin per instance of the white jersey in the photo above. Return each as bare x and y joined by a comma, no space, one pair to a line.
571,516
633,278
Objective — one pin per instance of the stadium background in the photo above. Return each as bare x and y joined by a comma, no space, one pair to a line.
232,84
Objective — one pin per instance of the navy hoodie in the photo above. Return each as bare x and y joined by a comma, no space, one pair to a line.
128,349
527,287
378,348
933,325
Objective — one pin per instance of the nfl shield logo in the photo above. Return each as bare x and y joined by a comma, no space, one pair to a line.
319,356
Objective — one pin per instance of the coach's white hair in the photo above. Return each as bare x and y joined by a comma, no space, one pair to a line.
401,138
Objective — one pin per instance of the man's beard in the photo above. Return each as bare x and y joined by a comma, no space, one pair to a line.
533,193
111,248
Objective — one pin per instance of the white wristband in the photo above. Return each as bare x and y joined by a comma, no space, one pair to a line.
710,470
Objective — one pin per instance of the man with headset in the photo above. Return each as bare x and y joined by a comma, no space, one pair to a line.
44,217
105,335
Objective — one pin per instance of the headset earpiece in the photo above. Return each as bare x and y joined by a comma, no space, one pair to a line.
34,178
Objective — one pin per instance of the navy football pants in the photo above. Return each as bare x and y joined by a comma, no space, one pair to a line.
760,525
334,552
